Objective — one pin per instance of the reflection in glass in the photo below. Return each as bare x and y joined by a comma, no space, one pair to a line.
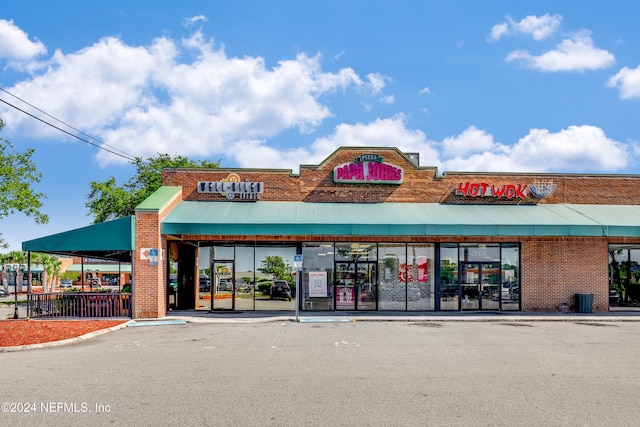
624,276
449,276
393,277
222,293
222,252
510,289
490,286
274,262
420,277
244,279
469,280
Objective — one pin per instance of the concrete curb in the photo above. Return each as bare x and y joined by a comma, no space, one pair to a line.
439,319
63,342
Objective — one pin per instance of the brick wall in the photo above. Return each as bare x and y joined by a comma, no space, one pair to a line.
149,282
552,269
555,269
421,184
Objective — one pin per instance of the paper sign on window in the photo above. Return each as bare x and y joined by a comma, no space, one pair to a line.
317,284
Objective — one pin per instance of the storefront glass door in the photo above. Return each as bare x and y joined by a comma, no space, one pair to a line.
479,286
223,289
356,286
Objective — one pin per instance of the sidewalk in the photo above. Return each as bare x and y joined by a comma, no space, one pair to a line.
386,316
204,316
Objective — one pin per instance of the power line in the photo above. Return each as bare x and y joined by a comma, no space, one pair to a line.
101,147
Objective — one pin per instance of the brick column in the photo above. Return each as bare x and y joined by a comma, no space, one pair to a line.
150,281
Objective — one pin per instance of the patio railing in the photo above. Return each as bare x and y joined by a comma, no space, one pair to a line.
79,304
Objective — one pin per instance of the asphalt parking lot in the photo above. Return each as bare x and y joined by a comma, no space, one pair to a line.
319,373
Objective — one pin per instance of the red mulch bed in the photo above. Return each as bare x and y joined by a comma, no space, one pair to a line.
25,331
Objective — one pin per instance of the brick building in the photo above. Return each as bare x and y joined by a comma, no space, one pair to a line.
371,229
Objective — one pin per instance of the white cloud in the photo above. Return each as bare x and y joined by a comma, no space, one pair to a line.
538,27
376,82
499,30
425,90
148,99
627,80
574,54
583,149
142,101
390,99
15,45
472,140
575,149
391,132
93,87
190,22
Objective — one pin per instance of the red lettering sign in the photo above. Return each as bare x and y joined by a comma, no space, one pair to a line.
483,189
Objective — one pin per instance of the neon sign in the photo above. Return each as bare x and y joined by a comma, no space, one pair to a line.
368,169
539,189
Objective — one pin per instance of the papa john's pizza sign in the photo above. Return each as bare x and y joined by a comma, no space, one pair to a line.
368,169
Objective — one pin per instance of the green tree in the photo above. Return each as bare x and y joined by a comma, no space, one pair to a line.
107,201
275,265
15,257
51,270
50,263
17,174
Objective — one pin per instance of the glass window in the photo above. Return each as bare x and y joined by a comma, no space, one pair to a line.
420,278
617,275
634,276
449,276
275,281
356,252
222,252
244,279
510,290
392,271
624,276
317,276
479,252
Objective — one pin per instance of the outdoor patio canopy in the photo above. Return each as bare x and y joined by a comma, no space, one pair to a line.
112,240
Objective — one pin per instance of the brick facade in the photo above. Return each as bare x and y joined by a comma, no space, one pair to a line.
421,184
555,269
149,289
552,269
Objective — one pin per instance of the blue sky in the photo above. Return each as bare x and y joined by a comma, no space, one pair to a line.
495,86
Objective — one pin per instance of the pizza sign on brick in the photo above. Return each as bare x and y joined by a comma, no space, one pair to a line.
368,169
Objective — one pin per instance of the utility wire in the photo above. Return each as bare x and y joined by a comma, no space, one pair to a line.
111,149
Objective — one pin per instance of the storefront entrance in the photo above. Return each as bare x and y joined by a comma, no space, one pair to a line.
479,286
223,288
356,285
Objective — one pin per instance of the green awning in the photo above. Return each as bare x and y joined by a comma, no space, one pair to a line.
107,240
399,219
